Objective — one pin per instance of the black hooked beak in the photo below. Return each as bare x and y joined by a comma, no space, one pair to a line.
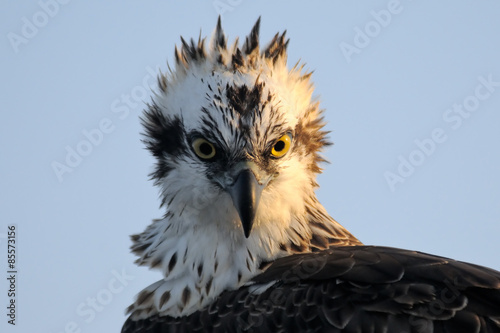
245,193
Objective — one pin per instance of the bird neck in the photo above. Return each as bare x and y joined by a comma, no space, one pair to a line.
200,259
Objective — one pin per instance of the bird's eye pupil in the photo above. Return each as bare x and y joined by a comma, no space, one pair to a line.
205,148
282,146
279,146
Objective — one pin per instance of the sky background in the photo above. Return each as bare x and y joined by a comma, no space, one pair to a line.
71,70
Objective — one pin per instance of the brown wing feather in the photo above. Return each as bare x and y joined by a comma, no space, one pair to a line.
352,289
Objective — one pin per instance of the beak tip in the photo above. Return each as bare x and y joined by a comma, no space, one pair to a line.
247,217
247,233
245,194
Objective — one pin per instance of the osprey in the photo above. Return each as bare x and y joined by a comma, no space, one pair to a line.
244,244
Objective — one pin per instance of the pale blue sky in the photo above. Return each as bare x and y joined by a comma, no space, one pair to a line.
83,65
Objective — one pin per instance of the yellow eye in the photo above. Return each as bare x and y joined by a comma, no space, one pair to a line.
282,146
203,148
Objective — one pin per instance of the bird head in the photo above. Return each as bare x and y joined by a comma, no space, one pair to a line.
236,135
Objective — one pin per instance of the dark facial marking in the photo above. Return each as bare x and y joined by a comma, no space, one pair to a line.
311,139
164,135
243,100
